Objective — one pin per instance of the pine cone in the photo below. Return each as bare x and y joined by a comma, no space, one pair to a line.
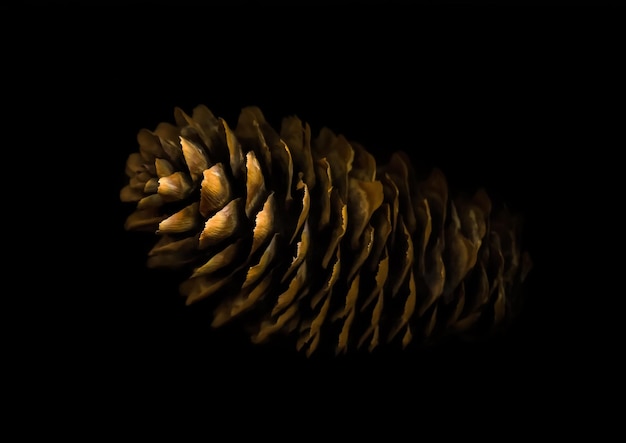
310,239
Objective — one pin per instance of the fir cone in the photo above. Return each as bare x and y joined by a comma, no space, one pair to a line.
310,239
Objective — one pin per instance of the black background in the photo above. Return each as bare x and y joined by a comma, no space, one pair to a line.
474,89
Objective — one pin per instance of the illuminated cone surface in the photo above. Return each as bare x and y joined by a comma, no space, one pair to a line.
310,239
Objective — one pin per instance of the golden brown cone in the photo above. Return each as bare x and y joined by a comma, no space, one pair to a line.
310,239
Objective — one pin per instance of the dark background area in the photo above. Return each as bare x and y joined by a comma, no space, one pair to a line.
474,89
